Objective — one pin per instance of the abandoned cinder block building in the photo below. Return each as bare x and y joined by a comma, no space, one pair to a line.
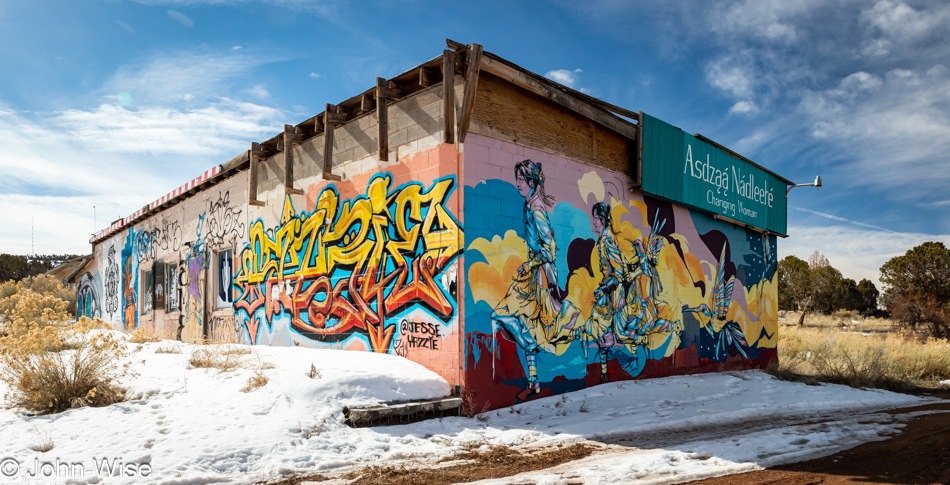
513,235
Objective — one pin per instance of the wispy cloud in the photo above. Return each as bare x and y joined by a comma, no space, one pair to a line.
183,113
842,219
315,6
181,18
215,129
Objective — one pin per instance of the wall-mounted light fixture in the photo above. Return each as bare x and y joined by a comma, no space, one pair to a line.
816,184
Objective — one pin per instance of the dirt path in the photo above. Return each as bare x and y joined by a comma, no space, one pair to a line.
920,454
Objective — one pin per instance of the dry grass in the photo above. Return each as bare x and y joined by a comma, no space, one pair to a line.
143,335
225,357
257,381
842,319
887,361
42,441
169,349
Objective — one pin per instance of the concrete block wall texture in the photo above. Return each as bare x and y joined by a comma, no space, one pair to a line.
573,280
181,242
367,263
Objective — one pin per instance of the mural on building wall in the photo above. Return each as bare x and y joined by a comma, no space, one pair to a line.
87,296
353,269
113,284
193,297
572,280
130,283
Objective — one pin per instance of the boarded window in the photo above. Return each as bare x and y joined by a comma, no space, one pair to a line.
224,276
146,297
171,287
158,293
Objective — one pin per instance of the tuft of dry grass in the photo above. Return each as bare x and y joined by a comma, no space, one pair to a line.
42,440
257,381
143,335
222,357
169,349
887,361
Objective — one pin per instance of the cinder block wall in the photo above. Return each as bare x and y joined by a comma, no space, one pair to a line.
369,263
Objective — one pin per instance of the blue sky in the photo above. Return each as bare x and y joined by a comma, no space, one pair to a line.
113,103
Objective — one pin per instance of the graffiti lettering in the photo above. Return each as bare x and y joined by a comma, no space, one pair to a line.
349,265
150,240
223,221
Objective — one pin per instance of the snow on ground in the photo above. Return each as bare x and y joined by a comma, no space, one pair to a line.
195,426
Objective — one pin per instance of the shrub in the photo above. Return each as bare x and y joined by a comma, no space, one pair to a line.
53,368
44,285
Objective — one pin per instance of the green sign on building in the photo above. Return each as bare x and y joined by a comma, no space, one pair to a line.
684,168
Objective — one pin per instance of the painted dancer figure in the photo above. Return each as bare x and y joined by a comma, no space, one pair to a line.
626,300
610,297
530,313
729,333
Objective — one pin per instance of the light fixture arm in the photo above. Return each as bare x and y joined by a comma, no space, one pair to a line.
816,184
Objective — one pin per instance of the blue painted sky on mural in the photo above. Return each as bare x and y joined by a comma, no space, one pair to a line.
114,103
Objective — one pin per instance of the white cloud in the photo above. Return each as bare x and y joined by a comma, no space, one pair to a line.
187,113
217,129
744,107
771,20
56,183
732,74
893,130
237,48
316,75
259,91
564,76
902,23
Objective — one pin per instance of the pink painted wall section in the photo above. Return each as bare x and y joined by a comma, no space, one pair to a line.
573,280
370,263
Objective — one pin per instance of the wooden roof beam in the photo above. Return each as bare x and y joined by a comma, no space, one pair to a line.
472,68
332,116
